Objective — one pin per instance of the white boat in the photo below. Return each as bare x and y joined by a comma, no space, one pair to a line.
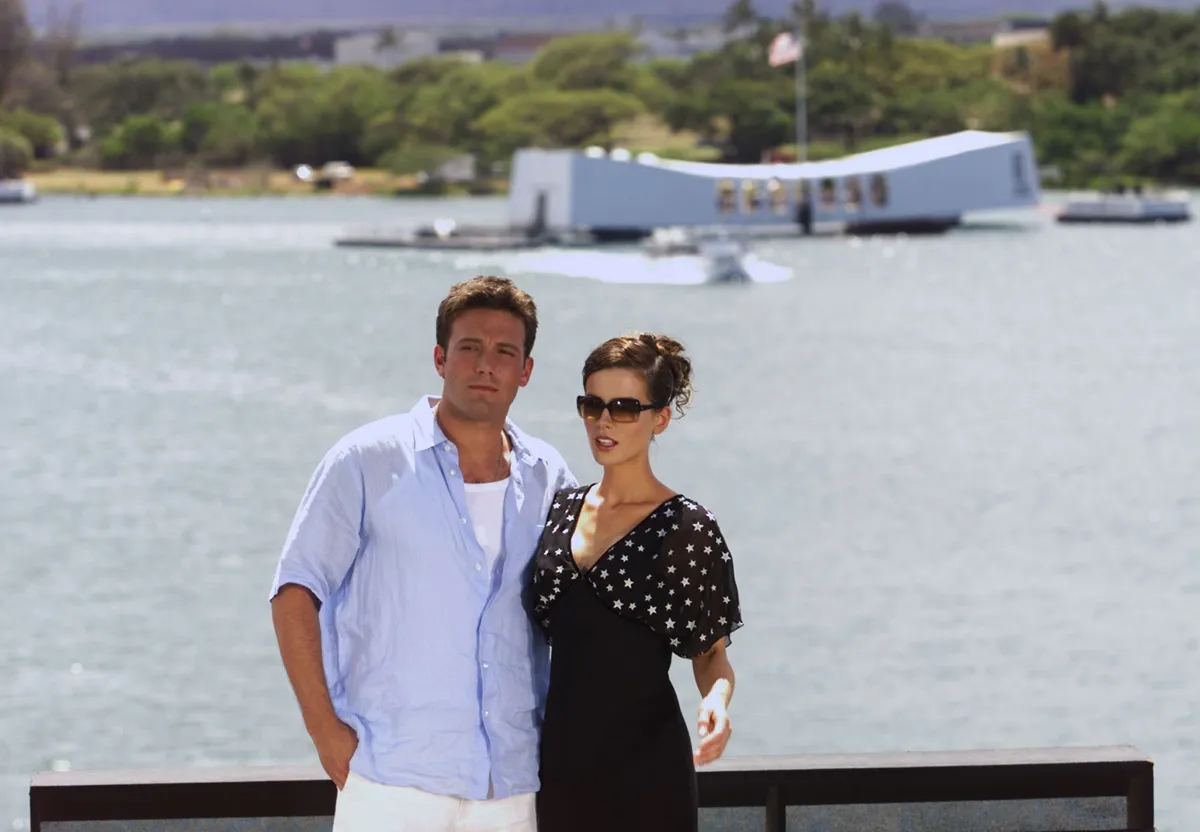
1127,207
17,192
665,242
920,186
724,260
721,254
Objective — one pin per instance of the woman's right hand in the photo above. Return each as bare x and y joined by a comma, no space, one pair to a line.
335,746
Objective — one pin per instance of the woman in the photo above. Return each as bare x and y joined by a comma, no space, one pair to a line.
627,573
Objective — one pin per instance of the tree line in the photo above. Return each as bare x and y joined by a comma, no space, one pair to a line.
1110,95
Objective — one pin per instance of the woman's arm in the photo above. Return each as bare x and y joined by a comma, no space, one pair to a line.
714,678
714,673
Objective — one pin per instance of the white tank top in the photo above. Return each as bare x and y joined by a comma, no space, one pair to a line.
485,504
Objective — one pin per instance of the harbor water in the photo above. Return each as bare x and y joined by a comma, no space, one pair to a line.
960,475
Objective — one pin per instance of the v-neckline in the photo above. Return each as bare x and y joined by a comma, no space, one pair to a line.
575,524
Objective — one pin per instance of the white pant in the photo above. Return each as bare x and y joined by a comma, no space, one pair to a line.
365,806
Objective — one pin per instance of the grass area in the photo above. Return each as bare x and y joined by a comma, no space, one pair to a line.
646,134
250,182
647,131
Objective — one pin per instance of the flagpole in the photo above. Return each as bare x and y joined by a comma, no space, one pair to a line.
801,92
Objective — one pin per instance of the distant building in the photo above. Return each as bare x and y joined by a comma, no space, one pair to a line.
457,170
211,48
467,48
521,47
683,43
1002,34
962,32
1014,33
1024,37
466,56
657,43
381,50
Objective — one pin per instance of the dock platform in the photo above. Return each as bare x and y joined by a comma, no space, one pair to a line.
507,238
448,235
494,242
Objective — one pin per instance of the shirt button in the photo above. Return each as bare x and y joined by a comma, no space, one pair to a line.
453,473
478,567
487,713
446,447
463,519
485,665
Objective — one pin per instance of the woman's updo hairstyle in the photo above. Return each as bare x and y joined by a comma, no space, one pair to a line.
659,359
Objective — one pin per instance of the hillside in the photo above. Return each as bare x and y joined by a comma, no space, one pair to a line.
159,14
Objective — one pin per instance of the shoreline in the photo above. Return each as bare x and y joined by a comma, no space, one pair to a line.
84,182
256,183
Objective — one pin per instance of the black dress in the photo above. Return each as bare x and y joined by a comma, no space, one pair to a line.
616,750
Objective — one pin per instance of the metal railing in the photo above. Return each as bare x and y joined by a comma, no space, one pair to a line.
773,783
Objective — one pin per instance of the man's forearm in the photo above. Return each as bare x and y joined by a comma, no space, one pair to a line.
298,631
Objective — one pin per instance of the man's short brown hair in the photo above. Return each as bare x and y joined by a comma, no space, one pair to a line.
487,292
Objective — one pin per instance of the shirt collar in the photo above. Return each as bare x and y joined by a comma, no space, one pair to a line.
427,432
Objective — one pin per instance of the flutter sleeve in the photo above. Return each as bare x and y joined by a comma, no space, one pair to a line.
697,570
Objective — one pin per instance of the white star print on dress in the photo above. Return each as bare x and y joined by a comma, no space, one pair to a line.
674,562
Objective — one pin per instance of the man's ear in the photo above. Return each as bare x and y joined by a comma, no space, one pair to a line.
439,360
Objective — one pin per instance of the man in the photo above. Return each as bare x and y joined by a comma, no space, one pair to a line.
397,600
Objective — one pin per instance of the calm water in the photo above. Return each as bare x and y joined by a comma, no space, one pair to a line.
959,475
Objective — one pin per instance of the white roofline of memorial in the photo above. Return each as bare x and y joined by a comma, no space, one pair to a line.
873,161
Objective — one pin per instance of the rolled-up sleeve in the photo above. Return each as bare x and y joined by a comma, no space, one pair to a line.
326,533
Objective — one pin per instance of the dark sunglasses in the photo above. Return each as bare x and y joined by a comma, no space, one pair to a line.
621,410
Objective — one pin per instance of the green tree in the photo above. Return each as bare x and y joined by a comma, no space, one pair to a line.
1107,65
841,102
919,113
928,65
16,40
1081,139
556,118
740,15
588,62
1165,145
711,95
1068,31
651,87
139,142
226,80
62,40
280,79
755,119
324,119
43,133
111,93
15,154
33,87
446,113
897,16
219,133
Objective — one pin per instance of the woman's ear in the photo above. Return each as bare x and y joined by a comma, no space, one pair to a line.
662,418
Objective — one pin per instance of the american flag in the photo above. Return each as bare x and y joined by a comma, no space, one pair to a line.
784,49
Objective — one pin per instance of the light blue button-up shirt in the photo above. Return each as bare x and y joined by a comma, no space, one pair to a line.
429,656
